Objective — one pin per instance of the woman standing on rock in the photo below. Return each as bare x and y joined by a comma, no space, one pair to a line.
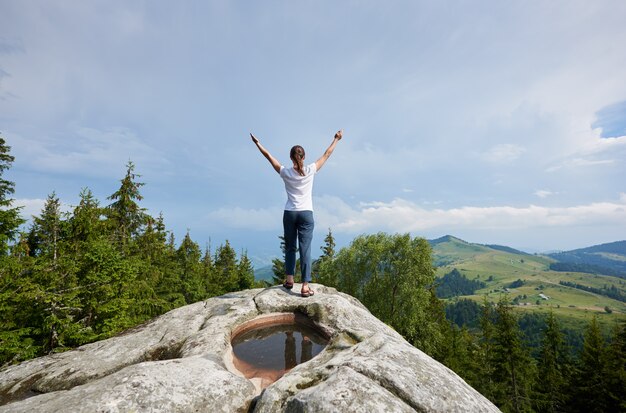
298,216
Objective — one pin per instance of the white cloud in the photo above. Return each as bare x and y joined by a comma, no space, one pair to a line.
33,207
543,193
503,153
30,207
87,151
262,219
401,215
580,162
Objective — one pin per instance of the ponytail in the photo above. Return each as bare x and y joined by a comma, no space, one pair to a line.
297,156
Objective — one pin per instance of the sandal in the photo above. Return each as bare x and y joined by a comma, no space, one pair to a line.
288,285
307,293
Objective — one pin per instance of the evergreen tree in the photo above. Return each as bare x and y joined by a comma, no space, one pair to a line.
328,249
464,356
17,331
188,256
553,369
486,384
110,286
321,270
616,370
514,368
591,376
126,216
245,272
48,227
10,219
86,275
85,224
226,268
209,274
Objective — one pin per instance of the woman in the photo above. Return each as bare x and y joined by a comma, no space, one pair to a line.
298,216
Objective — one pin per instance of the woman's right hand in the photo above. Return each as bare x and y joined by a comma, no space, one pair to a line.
339,135
254,139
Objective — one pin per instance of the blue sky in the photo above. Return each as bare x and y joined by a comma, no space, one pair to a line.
497,122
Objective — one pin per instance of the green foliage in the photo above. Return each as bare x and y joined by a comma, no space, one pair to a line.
591,378
126,216
464,313
514,368
245,272
611,292
10,219
86,275
328,254
454,284
554,369
391,275
616,370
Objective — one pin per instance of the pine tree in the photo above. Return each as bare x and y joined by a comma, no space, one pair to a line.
616,370
18,338
10,219
328,249
188,256
48,228
486,384
245,272
125,213
209,274
85,224
110,288
322,270
514,368
591,375
553,369
226,268
464,355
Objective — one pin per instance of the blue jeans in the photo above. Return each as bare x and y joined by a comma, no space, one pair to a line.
298,225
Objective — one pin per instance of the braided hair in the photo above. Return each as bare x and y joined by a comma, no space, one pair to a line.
297,156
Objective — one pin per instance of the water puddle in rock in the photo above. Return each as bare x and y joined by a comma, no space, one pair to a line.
269,352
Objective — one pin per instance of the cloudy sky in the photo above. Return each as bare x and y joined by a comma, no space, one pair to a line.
497,122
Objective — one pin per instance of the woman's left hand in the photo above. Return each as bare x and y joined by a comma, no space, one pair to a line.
254,139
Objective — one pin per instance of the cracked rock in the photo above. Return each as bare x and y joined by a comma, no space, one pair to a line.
182,362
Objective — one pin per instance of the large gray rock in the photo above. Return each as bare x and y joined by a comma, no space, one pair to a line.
182,362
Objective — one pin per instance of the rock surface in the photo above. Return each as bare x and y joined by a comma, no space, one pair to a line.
182,362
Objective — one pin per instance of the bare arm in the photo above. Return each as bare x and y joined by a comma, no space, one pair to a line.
321,161
275,164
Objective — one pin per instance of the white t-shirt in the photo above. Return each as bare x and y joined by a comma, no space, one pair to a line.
299,188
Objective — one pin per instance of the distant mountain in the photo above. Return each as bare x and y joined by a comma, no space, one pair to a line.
506,249
477,247
263,273
449,249
617,247
607,259
445,238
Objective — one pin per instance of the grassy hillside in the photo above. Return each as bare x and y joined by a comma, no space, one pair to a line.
499,267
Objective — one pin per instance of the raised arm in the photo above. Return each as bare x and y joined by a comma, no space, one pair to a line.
275,164
321,161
